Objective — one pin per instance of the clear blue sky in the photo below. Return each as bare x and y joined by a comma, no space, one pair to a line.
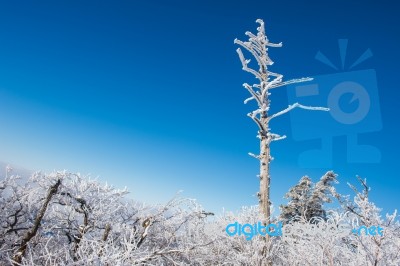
147,94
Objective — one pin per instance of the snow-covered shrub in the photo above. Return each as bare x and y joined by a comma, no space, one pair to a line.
67,219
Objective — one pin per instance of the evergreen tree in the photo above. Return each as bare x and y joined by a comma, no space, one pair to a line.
306,200
322,193
298,198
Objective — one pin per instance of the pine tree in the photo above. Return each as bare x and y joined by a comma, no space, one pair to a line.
322,193
299,196
306,200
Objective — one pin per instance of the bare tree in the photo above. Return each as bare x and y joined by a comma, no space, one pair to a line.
38,220
260,92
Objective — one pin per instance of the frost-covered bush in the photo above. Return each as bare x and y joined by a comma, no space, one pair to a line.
67,219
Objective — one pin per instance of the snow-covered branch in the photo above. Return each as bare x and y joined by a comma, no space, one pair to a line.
254,50
245,63
254,156
275,137
297,105
257,121
292,81
261,30
253,93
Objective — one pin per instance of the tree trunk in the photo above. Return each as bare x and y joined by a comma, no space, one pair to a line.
264,179
19,254
264,196
265,158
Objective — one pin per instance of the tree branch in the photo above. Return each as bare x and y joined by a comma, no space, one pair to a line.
253,49
254,94
254,156
292,81
275,137
244,65
17,258
257,121
291,107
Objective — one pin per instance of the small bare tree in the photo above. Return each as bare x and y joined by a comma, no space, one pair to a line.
267,80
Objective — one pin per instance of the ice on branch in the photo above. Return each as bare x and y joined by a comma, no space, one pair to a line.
254,156
291,107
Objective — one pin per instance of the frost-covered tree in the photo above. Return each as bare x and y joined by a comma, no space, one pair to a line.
332,241
306,200
323,192
298,197
68,219
260,92
375,250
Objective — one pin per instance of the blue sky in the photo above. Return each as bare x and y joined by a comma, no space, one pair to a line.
147,94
